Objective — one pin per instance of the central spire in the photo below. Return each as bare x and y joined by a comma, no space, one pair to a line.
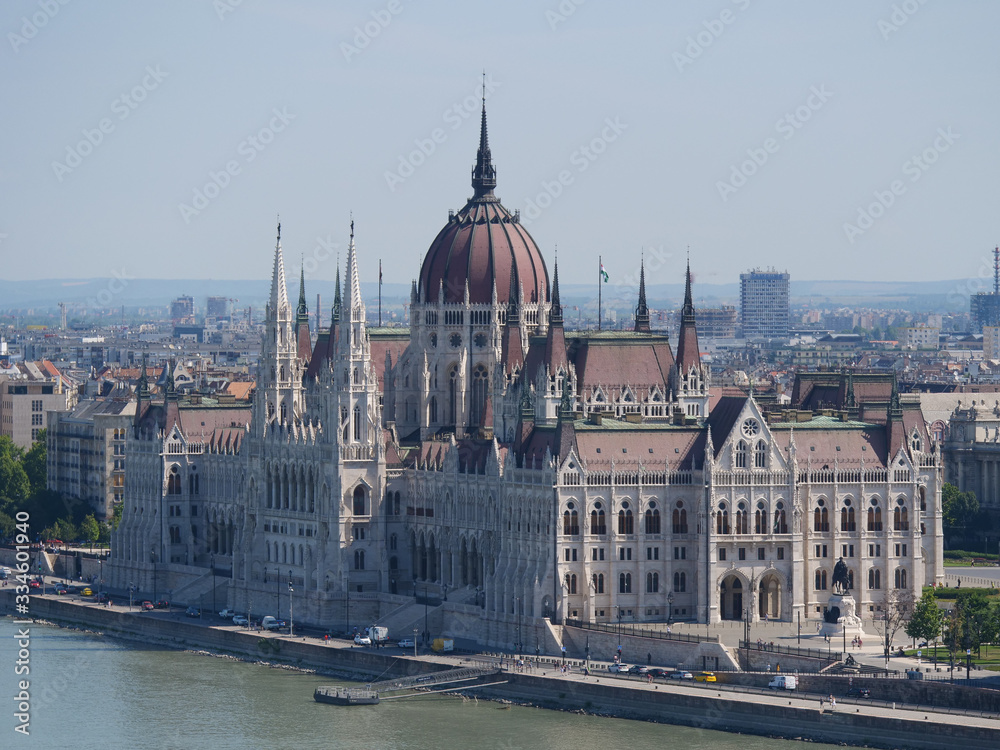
484,174
642,309
279,293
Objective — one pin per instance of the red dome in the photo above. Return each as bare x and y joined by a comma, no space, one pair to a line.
480,244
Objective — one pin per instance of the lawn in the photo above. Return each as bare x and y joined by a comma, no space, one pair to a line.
989,660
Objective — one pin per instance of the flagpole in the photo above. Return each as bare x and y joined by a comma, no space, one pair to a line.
600,265
379,292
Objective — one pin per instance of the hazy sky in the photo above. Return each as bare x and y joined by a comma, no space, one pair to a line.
757,133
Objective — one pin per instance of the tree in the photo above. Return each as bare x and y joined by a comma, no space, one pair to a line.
89,530
33,463
977,614
116,516
925,623
959,508
894,611
14,484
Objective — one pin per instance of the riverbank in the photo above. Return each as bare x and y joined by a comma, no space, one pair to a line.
707,706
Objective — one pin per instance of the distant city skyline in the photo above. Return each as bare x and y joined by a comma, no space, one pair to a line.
162,141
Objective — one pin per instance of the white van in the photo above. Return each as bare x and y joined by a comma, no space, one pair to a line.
783,682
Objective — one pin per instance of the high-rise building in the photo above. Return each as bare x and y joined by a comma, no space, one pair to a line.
217,308
764,304
182,310
984,307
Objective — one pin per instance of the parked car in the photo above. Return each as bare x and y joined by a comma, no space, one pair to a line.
362,640
406,643
192,612
61,589
270,622
162,604
240,620
618,668
86,592
102,597
859,692
705,677
147,606
657,673
638,669
681,675
784,682
33,584
227,613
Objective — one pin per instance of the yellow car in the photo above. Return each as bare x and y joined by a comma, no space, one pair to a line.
705,677
86,592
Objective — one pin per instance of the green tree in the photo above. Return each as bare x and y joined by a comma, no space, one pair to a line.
116,516
959,508
925,624
89,530
14,484
33,463
977,613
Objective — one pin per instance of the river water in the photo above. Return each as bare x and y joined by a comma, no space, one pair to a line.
88,691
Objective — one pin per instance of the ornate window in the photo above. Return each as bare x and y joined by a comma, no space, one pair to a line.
360,502
652,518
625,521
625,583
760,519
598,523
652,583
821,517
741,455
679,521
722,520
847,520
680,582
760,455
480,386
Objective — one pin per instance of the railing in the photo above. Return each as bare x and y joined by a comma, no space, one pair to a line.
633,630
810,653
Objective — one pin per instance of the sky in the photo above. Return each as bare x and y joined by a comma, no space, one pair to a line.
850,140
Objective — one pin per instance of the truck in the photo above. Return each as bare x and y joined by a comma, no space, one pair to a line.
443,644
783,682
272,623
378,634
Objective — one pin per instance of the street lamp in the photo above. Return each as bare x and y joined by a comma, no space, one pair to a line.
100,575
152,557
670,606
427,632
291,611
131,589
415,631
618,607
517,639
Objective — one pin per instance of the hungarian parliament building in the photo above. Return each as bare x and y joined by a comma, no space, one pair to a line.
486,470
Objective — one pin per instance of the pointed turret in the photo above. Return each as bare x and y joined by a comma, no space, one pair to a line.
355,303
688,353
279,292
484,174
302,321
511,350
642,309
335,314
555,339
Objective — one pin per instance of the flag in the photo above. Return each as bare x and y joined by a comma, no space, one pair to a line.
604,274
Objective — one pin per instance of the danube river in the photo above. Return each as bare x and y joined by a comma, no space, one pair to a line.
90,692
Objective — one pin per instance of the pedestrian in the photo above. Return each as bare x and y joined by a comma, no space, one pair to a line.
833,703
821,704
649,659
778,668
769,666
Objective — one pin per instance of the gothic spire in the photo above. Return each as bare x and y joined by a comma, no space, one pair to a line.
513,315
688,351
302,311
484,174
688,310
353,279
336,299
279,292
642,309
556,315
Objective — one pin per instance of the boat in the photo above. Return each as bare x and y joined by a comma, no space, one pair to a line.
344,696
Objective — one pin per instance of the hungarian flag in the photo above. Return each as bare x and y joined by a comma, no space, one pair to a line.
604,274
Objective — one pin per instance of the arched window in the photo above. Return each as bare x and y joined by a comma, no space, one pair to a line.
780,522
480,386
900,578
598,524
760,519
433,417
874,516
680,582
742,520
652,521
393,542
625,583
453,395
722,520
193,484
900,518
741,455
821,580
359,559
847,517
652,583
625,522
821,517
360,504
760,455
679,521
874,578
175,535
174,481
284,412
571,523
570,583
357,423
